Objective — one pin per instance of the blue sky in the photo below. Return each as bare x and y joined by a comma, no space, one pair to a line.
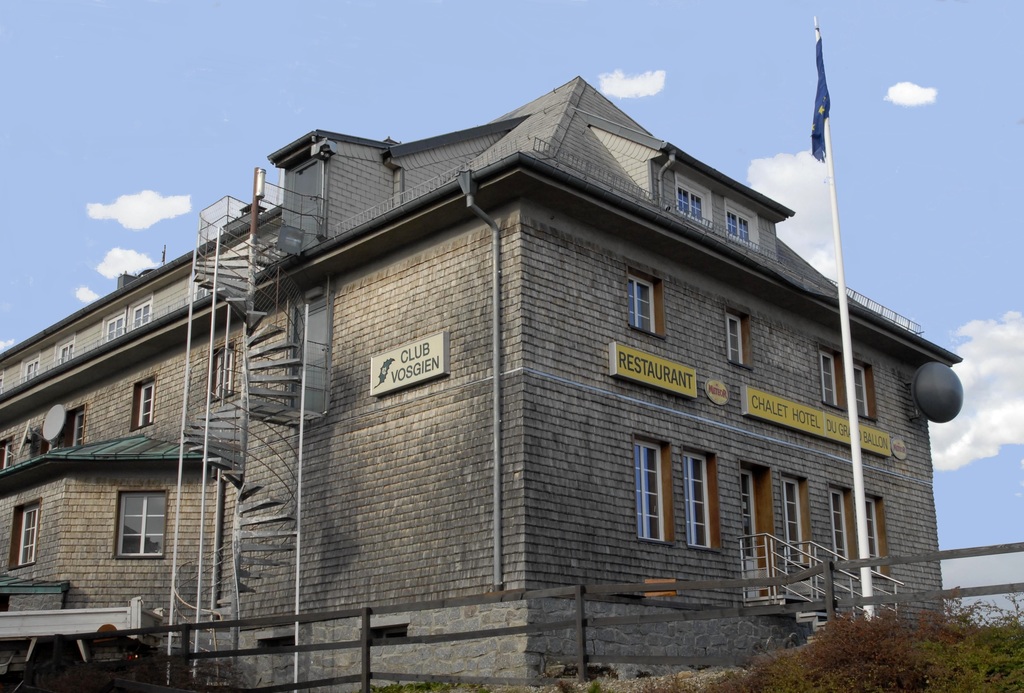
124,118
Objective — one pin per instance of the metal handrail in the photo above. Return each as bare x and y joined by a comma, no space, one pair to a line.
780,557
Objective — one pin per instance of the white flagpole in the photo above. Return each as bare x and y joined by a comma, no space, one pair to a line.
859,499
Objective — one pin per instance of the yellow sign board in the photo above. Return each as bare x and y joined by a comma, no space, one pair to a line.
640,367
767,407
871,439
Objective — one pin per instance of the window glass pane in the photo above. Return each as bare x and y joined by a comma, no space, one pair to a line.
647,467
696,502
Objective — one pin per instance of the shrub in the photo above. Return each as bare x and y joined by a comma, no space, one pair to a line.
976,647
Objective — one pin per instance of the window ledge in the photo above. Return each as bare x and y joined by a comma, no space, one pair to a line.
641,330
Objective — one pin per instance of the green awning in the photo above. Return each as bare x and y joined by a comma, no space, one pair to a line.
13,585
131,448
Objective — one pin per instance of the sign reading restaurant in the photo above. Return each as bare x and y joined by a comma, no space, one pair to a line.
765,406
410,364
640,367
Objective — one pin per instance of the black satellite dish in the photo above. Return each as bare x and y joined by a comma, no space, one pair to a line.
937,392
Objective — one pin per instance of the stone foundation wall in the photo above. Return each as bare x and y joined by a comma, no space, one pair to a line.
516,656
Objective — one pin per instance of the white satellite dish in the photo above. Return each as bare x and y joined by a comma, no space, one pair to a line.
53,424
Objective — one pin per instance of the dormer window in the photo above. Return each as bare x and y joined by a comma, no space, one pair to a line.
740,223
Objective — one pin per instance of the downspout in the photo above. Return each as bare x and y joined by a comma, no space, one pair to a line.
468,186
661,176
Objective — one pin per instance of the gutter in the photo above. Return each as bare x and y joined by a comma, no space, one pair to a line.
468,186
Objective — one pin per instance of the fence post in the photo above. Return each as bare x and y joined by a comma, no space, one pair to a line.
581,636
364,638
186,641
828,573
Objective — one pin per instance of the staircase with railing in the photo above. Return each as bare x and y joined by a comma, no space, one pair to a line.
244,408
767,556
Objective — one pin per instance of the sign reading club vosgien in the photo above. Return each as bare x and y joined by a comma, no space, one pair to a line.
410,364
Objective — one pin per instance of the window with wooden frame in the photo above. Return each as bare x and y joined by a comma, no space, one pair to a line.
646,302
143,399
74,427
864,388
223,372
841,520
833,383
701,484
737,337
24,534
8,453
796,520
652,465
878,543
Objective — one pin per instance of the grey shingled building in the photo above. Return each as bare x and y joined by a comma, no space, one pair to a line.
670,380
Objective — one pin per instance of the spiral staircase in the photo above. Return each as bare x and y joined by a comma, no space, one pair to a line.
245,394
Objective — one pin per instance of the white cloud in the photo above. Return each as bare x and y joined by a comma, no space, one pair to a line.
910,94
799,181
142,210
992,374
118,261
6,343
85,294
621,86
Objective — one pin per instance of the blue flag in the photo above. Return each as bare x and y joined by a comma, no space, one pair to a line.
821,106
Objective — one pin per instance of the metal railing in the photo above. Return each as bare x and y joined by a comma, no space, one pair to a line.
767,556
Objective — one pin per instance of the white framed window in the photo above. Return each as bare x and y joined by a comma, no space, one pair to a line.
698,518
860,390
141,524
64,351
653,491
791,510
74,427
689,203
692,200
1,380
837,513
737,337
30,368
793,518
871,514
828,378
26,528
142,404
740,223
223,372
738,226
641,304
8,454
864,388
142,313
114,327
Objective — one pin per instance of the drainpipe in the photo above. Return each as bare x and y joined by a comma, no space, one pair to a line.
661,175
468,186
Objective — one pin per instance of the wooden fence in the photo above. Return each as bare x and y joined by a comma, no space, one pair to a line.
578,625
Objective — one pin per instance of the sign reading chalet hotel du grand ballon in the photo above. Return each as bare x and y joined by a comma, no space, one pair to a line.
410,364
